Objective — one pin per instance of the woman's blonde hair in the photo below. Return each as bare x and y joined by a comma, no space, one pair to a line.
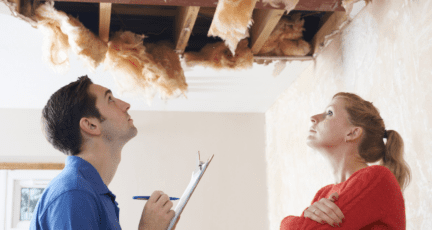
372,148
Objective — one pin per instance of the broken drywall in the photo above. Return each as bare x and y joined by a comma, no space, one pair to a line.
62,32
289,4
218,56
286,39
231,21
145,69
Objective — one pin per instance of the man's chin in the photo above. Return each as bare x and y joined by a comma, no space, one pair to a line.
135,132
131,134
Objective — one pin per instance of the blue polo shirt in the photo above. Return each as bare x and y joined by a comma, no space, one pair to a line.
76,199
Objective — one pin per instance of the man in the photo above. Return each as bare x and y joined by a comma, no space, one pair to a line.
86,122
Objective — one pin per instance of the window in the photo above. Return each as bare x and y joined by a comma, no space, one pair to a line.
29,198
20,190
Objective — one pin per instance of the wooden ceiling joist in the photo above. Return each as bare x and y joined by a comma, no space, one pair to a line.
331,24
104,20
264,23
143,10
18,5
307,5
185,21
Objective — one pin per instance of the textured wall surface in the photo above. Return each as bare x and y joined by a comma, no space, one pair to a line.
385,56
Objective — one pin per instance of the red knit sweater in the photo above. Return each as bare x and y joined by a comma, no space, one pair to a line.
371,198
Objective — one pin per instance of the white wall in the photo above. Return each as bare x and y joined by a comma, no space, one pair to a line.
384,56
231,195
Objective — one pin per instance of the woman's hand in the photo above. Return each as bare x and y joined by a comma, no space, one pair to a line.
325,210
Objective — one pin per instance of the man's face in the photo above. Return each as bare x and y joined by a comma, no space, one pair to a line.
116,126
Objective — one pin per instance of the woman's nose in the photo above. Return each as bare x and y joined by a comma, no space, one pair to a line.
313,119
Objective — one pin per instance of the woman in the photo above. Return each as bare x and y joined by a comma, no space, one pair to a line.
350,134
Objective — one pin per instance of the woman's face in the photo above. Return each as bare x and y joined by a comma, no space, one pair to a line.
331,127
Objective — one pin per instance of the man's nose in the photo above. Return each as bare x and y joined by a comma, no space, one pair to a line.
125,106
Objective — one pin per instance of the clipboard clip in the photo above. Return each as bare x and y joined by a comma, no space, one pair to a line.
199,162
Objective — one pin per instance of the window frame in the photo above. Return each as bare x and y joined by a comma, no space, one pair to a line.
15,176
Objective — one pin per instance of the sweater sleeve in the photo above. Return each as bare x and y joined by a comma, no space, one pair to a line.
362,200
317,196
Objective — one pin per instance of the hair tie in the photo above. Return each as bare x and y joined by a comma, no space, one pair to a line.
385,136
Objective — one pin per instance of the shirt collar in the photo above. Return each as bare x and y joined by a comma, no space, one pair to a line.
89,173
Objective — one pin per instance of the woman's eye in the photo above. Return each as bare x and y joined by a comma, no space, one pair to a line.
328,113
110,98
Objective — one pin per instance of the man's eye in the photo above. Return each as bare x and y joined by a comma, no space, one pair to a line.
109,98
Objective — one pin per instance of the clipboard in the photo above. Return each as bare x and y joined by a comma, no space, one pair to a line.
196,177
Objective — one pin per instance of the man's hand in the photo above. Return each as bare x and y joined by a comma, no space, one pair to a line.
157,212
325,210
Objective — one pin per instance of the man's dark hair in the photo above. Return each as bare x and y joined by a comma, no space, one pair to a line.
63,112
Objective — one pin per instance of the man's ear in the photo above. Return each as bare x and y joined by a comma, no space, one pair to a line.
90,126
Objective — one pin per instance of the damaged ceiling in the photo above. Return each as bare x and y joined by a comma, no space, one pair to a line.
185,23
159,20
162,20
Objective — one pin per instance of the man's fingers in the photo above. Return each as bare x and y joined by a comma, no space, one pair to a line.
162,200
155,196
168,205
171,214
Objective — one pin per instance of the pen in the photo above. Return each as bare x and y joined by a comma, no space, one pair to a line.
148,197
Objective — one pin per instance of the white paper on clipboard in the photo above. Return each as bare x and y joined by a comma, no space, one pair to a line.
196,177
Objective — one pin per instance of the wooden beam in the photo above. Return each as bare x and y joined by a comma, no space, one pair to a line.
143,10
168,11
306,5
18,5
333,22
264,23
104,21
32,166
185,21
207,11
